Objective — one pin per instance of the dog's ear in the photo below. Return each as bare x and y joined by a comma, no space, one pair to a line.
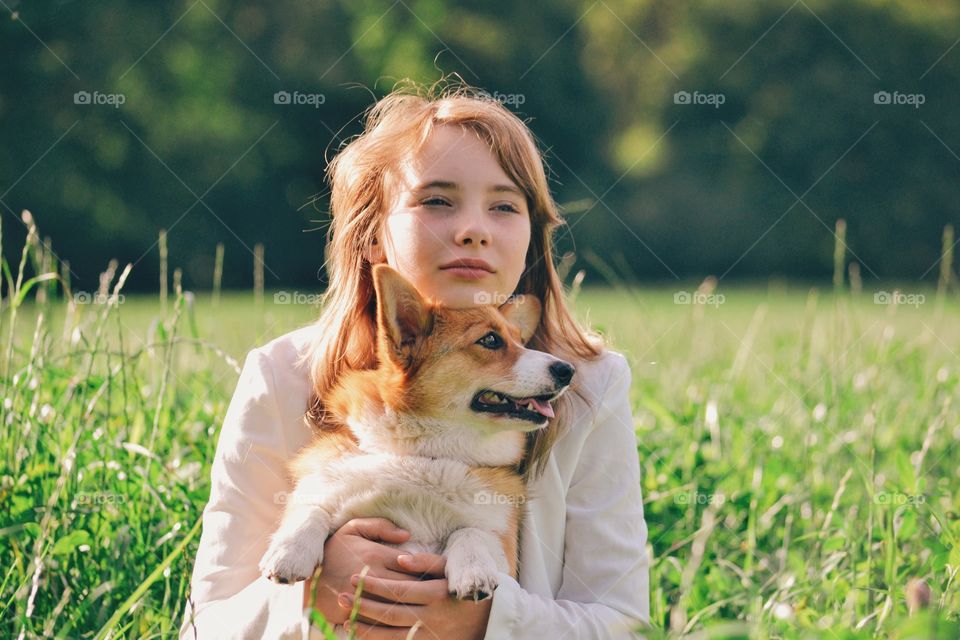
523,311
403,316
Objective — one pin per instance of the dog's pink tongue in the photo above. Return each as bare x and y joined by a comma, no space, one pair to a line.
542,407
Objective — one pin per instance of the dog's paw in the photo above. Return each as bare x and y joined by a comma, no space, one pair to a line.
287,562
471,582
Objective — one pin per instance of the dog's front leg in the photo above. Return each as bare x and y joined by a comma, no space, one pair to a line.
474,557
297,546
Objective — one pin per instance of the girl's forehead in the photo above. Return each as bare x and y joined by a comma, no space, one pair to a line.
451,153
444,139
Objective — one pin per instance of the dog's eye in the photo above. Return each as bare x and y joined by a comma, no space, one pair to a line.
491,341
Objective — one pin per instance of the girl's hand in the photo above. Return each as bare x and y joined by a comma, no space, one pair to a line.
426,602
355,544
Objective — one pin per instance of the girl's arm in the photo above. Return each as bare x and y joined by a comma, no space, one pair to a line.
605,590
229,597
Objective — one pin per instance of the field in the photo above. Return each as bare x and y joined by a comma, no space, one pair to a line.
796,443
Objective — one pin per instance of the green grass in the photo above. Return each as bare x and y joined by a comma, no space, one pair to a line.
798,456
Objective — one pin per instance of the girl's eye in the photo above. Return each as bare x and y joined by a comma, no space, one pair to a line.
491,341
437,201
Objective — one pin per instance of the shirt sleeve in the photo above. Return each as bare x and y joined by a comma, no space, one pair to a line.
605,589
229,598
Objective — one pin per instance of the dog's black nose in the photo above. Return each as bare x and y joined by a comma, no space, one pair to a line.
562,372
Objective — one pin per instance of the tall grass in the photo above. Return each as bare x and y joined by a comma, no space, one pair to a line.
797,448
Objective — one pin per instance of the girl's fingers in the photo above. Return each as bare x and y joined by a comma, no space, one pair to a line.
392,614
404,591
376,529
422,563
388,574
392,563
391,574
372,632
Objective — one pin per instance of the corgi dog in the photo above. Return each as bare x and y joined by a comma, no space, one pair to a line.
431,439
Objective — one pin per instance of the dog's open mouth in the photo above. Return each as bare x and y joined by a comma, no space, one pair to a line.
533,409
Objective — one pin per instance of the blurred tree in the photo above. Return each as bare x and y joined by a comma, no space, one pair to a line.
230,111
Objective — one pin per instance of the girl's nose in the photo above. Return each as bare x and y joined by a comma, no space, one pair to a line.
473,228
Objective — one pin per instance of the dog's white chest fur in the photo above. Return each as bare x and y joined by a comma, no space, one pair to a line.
430,498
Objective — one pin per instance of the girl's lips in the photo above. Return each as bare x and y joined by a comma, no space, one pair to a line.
468,273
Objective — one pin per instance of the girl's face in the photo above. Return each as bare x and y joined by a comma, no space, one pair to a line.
453,202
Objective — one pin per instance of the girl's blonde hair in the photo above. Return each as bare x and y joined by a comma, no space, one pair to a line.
360,175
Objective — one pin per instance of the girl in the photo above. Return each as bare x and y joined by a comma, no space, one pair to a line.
436,177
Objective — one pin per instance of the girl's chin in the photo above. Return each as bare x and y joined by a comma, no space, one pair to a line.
465,295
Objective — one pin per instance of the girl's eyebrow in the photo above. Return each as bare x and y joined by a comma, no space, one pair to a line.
446,184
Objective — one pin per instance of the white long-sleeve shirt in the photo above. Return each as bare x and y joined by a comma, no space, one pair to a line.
584,566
